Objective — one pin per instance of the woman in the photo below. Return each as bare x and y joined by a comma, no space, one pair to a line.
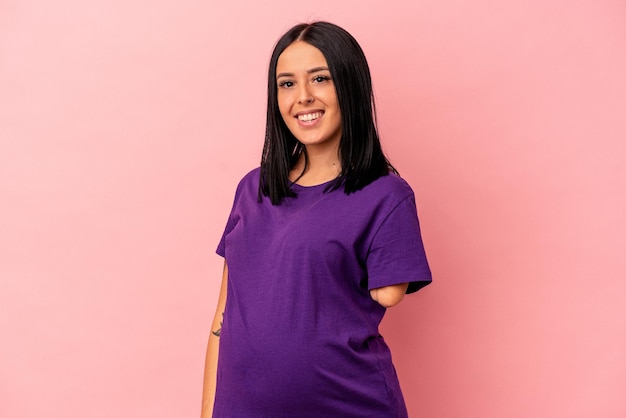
321,239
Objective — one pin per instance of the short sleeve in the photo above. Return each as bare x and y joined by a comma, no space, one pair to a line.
221,247
397,253
232,217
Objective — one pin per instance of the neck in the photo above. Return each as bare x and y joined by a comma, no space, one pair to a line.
322,165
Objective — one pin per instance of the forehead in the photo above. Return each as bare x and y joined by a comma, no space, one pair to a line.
300,56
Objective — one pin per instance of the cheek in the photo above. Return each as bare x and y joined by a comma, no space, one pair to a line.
334,103
284,107
331,100
286,117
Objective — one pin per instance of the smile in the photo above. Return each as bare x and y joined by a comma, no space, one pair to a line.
308,117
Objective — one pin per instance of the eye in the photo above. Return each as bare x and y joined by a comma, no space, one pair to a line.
321,78
285,83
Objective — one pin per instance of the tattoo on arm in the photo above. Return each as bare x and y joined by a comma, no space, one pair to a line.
219,331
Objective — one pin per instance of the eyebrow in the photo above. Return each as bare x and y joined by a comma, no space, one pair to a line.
310,71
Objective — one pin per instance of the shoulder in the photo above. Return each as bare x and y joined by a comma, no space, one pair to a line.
251,179
248,185
381,197
390,186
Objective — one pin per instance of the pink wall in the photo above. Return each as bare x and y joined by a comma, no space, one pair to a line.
125,127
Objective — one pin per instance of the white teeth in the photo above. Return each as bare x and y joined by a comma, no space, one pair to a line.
309,116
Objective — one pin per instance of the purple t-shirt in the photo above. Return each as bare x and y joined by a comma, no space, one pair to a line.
300,330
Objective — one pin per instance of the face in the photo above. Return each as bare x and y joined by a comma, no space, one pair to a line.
306,96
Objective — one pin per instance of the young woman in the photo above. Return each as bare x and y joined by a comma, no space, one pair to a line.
321,239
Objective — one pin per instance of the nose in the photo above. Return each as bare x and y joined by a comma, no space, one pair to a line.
305,96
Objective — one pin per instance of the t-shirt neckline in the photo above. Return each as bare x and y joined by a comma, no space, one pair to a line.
301,187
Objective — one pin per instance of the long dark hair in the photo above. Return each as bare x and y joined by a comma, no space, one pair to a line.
362,159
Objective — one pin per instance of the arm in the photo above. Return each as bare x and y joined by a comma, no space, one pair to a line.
389,296
210,367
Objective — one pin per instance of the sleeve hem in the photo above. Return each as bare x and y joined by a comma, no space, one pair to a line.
414,286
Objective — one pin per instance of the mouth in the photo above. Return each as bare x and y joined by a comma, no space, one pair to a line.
309,117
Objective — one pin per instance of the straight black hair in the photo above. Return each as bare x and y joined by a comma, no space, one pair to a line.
362,158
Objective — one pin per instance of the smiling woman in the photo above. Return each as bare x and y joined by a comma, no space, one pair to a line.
308,104
321,239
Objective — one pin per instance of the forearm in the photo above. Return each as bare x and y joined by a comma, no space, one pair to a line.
210,374
210,366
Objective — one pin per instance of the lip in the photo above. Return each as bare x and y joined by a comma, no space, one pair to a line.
309,123
309,111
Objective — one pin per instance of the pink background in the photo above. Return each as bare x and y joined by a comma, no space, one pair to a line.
126,125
